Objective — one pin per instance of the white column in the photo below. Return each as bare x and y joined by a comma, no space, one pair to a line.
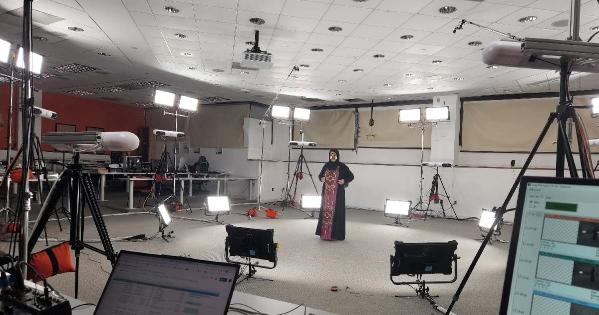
445,136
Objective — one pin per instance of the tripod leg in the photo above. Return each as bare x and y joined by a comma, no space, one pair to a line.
567,150
48,207
456,296
90,198
448,198
310,174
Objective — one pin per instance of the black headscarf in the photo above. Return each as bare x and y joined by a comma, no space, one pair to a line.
330,164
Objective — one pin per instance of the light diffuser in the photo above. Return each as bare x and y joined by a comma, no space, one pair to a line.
164,216
280,112
311,202
302,114
486,219
35,63
218,203
189,104
409,115
437,113
164,98
397,207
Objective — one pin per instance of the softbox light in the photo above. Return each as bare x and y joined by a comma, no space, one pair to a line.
218,204
164,216
35,63
301,114
397,207
280,112
164,98
487,218
436,113
409,115
4,51
311,201
189,104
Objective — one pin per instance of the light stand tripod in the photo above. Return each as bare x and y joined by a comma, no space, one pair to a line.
7,209
422,126
562,114
435,196
81,192
298,174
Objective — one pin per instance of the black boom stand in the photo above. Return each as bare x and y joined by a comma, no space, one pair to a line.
562,114
81,192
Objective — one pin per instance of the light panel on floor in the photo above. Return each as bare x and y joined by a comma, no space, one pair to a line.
486,219
397,207
218,204
311,201
163,214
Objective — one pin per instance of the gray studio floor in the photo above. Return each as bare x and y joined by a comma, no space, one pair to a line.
308,267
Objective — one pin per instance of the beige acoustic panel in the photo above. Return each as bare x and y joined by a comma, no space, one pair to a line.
507,125
387,132
217,126
329,129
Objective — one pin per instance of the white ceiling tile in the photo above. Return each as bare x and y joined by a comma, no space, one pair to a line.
490,12
386,18
218,14
323,28
359,4
338,60
306,9
294,23
175,22
63,11
551,5
217,3
403,6
392,46
138,6
541,15
144,19
360,43
441,39
407,58
373,32
398,33
211,27
320,39
348,52
520,3
420,49
185,9
269,6
343,13
541,32
426,22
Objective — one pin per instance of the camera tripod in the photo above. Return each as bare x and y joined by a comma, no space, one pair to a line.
298,174
436,197
81,193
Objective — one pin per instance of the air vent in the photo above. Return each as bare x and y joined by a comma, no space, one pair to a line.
354,100
213,99
79,92
143,104
111,99
110,89
312,99
138,85
74,68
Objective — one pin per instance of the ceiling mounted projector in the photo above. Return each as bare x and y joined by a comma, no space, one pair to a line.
256,58
532,54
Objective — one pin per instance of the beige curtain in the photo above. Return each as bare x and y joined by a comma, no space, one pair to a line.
387,132
217,126
329,129
507,125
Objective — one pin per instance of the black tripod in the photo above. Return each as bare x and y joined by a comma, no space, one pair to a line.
81,192
436,197
298,174
564,111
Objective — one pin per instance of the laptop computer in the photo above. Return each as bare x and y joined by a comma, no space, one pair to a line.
145,284
554,252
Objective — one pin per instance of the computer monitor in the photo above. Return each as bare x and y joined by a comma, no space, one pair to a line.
158,284
553,262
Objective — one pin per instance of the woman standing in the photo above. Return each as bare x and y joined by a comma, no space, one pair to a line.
335,176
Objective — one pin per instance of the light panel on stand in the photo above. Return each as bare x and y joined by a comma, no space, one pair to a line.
436,113
409,115
188,104
302,114
280,112
4,51
164,98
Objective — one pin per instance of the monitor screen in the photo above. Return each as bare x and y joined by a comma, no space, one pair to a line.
158,284
554,254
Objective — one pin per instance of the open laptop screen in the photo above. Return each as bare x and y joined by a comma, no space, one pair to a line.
554,253
158,284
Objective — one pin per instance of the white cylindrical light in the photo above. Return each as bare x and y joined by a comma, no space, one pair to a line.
397,207
280,112
189,104
436,113
311,201
409,115
218,203
486,219
164,98
302,114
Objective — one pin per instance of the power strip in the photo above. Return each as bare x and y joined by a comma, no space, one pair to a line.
33,301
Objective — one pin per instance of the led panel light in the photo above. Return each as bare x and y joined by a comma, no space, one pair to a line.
163,214
280,112
397,207
302,114
218,203
4,51
311,202
35,63
486,219
189,104
595,102
409,115
164,98
436,113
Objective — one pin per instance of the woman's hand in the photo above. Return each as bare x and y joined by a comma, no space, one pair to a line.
341,181
322,179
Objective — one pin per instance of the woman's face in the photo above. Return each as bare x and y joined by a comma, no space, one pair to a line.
333,156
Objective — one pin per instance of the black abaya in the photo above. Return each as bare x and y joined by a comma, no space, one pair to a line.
333,228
